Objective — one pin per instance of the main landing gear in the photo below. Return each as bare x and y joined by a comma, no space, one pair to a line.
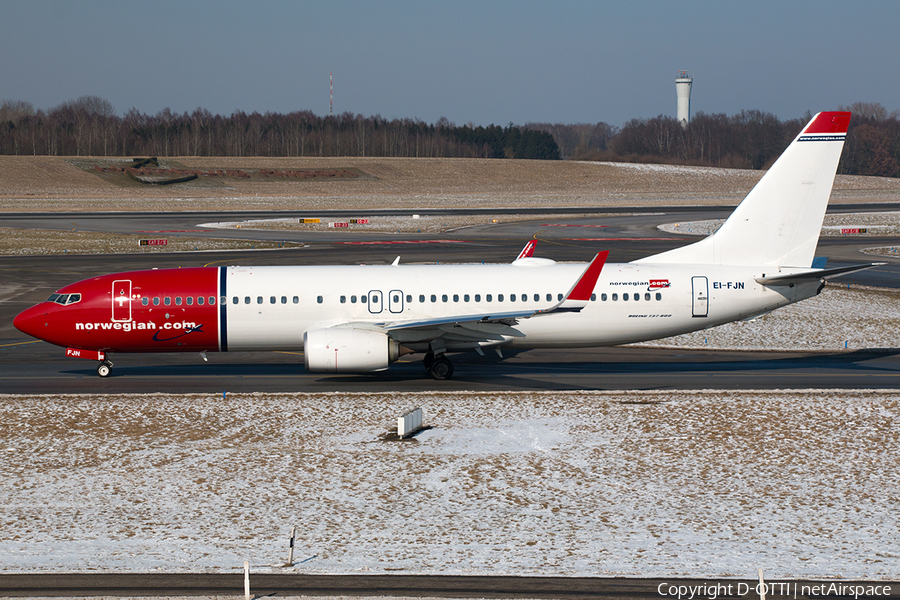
104,368
439,367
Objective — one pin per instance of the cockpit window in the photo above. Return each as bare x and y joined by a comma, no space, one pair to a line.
64,298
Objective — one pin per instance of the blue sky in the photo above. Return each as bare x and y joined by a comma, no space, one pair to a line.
470,61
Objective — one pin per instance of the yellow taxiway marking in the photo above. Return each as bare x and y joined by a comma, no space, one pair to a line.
19,343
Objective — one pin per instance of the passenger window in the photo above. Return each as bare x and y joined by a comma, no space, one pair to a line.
549,297
235,300
259,300
271,299
296,299
658,296
409,298
343,299
189,300
637,297
433,298
466,298
284,299
177,300
615,297
477,297
537,297
145,301
499,297
444,297
489,298
647,296
156,301
246,299
396,298
524,297
319,299
422,298
364,299
167,301
456,297
625,297
593,297
559,296
603,297
200,301
512,297
352,299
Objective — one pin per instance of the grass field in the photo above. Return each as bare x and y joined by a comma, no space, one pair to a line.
57,184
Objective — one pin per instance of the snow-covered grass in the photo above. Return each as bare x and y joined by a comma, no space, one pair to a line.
836,319
29,242
704,483
876,223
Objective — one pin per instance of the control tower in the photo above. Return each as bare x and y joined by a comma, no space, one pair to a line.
683,92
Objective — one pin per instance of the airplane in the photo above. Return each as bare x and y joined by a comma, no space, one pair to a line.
362,318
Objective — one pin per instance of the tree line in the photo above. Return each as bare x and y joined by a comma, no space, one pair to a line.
751,139
89,126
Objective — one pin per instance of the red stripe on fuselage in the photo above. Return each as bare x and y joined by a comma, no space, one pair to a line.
94,324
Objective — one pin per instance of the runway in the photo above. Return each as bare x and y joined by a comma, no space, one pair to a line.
27,366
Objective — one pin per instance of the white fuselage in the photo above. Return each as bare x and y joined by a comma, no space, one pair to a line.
272,307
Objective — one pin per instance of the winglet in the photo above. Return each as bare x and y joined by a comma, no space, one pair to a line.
584,287
580,293
528,250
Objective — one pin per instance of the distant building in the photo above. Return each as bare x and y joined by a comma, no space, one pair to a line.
683,92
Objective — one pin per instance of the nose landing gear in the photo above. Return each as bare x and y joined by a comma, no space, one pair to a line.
104,368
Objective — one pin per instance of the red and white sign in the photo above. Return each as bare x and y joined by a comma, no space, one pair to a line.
853,230
162,242
88,354
658,284
339,224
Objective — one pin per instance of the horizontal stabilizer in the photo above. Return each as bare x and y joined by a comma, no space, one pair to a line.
813,275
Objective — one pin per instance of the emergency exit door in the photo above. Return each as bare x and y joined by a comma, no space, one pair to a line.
700,287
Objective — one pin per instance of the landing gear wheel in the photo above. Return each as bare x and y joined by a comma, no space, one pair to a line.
428,361
441,369
103,369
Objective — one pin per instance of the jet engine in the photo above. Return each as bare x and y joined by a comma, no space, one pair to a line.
347,350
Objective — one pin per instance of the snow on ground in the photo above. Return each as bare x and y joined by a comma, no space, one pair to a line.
834,320
876,223
704,483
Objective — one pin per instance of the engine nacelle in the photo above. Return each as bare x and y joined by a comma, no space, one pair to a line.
347,350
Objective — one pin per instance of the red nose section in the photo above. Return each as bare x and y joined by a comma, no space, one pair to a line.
33,321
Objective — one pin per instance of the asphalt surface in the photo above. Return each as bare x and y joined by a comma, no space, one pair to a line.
433,586
27,366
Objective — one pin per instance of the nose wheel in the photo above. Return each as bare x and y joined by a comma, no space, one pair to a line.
104,368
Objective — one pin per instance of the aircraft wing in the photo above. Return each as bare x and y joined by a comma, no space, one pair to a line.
496,325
